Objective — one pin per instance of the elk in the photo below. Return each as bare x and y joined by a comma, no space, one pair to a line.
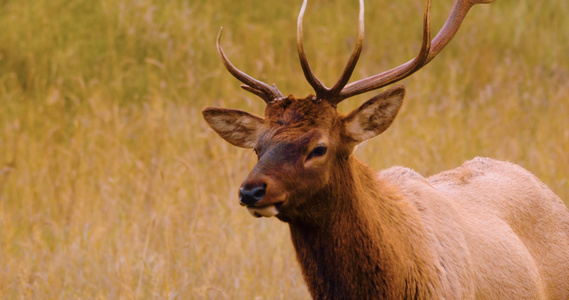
485,230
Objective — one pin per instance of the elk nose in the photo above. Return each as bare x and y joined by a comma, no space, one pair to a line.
251,194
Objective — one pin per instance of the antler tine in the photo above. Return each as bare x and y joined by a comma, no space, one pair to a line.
353,58
316,84
322,92
259,88
426,54
452,24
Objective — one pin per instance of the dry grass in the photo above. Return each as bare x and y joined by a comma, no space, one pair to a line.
112,187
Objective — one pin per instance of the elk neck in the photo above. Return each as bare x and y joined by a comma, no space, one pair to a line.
369,237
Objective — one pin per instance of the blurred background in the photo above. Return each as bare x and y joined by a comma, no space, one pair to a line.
113,187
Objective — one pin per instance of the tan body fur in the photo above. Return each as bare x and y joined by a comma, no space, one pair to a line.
494,230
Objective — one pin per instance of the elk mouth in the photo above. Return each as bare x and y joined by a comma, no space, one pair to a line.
266,211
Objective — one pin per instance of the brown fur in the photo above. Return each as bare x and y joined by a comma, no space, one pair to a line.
485,230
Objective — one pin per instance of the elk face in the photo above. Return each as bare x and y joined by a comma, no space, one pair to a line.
299,143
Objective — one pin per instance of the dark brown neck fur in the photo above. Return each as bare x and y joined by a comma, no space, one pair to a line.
368,248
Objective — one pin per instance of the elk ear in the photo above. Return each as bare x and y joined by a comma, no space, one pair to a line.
237,127
374,116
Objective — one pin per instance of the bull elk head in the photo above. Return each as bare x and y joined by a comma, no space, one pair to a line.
300,142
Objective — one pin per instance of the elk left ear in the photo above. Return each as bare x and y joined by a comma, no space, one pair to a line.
374,116
239,128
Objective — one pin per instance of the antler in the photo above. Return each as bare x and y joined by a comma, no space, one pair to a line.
259,88
322,92
428,51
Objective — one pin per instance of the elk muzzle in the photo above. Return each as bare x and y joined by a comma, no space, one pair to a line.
256,197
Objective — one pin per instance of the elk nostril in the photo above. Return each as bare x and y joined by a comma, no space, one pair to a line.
259,193
251,194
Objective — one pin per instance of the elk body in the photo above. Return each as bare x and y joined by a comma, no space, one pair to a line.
485,230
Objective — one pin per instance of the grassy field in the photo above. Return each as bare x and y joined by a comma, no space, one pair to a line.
113,187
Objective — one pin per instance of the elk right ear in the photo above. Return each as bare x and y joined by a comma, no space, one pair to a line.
239,128
374,116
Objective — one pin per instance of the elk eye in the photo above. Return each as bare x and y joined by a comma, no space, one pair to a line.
318,151
256,151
